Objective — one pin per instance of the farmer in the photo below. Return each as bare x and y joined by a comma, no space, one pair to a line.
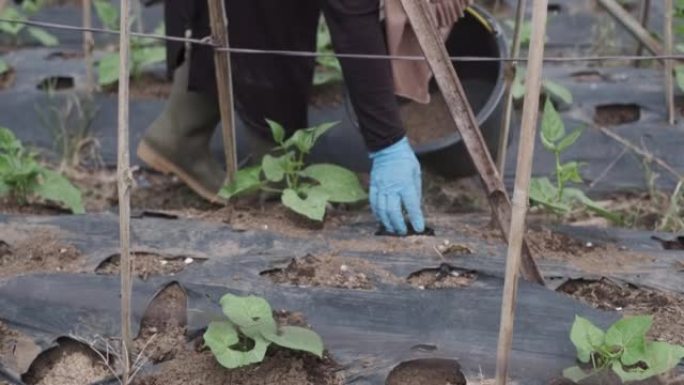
278,87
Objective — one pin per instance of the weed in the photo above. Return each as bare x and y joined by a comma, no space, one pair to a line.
558,197
250,329
16,30
328,69
307,190
623,348
22,177
145,52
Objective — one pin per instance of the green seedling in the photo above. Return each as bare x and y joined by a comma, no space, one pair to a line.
558,197
4,67
328,69
15,31
623,348
552,89
250,329
22,177
145,52
305,190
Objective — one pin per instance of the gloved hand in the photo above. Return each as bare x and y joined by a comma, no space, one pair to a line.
396,182
448,12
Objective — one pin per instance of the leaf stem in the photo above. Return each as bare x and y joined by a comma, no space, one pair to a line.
559,179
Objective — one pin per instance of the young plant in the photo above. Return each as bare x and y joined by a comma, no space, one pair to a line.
22,177
553,90
558,197
623,348
250,329
16,30
4,67
145,52
306,190
328,69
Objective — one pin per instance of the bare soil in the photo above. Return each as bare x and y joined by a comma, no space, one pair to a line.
330,271
41,252
616,114
430,371
427,123
667,309
7,79
147,86
17,351
445,277
70,363
147,265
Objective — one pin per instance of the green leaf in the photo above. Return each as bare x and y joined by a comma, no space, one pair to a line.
629,334
312,207
679,75
147,56
546,194
576,374
577,195
3,67
275,168
340,184
305,139
56,188
31,6
518,86
43,37
553,128
247,180
569,140
586,337
12,13
558,92
8,142
107,13
253,315
108,69
297,338
221,337
661,358
277,131
569,172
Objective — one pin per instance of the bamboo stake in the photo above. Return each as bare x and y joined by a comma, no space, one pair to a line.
511,70
219,30
669,64
125,179
632,26
418,13
644,16
533,84
88,44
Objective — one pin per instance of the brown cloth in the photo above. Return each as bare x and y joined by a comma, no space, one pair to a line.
412,77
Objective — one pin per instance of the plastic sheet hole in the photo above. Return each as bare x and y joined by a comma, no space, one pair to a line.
56,83
147,265
554,8
588,76
445,276
617,114
68,361
427,371
7,79
162,328
64,55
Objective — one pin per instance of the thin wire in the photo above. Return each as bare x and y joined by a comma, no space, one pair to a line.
252,51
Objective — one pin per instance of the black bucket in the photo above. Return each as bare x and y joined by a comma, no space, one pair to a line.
442,149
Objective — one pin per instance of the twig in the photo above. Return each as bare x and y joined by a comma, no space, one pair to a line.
644,16
632,26
608,168
511,70
125,181
641,152
523,174
224,80
669,65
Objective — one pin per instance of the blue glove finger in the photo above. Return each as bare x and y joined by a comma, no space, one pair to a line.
418,182
383,214
373,198
395,214
415,213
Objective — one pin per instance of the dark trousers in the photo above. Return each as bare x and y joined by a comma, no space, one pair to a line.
278,87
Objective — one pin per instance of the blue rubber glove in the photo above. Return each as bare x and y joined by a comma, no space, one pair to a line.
396,182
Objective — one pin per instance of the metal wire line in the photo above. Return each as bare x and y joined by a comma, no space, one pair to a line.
207,42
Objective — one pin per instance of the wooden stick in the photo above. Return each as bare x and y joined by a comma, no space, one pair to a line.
125,179
644,16
462,114
88,45
511,69
632,26
224,80
669,64
533,83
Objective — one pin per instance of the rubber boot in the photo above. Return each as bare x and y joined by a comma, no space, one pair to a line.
178,141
